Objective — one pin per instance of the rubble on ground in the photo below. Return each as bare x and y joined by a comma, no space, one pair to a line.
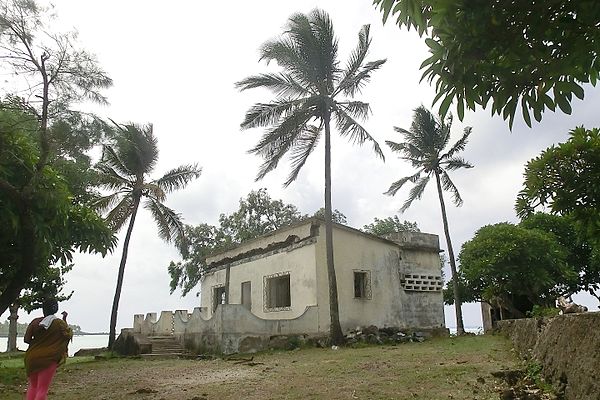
388,335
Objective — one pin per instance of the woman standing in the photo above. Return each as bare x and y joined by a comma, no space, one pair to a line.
48,337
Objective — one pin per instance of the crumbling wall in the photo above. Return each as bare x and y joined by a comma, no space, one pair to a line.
231,329
568,348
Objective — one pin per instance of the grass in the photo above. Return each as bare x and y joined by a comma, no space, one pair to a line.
449,368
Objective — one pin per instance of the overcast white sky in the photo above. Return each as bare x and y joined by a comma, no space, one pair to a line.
174,64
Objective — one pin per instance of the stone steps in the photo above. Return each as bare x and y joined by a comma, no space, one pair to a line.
165,347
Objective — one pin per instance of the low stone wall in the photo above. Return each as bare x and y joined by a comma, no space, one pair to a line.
568,348
231,329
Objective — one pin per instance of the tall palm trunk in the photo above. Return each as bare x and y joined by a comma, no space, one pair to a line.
115,306
12,328
460,328
337,337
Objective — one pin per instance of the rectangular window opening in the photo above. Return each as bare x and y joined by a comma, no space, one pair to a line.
278,292
362,285
218,296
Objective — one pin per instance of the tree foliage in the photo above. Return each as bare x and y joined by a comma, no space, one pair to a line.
59,225
520,266
424,147
566,179
336,216
583,255
382,227
41,223
257,215
530,56
124,170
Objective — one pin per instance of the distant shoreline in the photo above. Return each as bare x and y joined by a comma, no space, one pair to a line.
5,335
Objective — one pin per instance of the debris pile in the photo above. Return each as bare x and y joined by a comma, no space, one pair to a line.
389,335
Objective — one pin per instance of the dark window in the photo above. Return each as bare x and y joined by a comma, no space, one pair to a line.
362,285
247,294
218,296
278,292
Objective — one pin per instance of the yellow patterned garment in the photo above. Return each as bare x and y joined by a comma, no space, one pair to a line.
48,346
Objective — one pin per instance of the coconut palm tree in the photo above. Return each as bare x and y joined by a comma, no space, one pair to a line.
310,91
124,170
423,148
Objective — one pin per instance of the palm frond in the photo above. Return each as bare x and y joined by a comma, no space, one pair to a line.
357,57
401,130
283,131
396,147
110,179
265,114
111,158
449,186
103,203
356,109
355,83
427,132
456,163
290,57
347,126
120,213
178,178
282,84
459,145
137,148
416,192
407,150
325,58
151,189
276,142
394,187
305,144
168,221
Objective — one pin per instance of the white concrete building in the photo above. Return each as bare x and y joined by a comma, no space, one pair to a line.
393,282
278,287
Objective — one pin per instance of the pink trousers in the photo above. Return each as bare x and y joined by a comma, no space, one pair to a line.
39,382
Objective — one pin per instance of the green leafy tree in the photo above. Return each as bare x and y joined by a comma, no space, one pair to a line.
310,91
124,170
42,211
424,148
581,259
40,223
583,256
534,55
566,179
336,216
382,227
515,268
257,215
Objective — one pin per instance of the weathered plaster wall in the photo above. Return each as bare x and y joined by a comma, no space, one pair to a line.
568,348
232,328
390,304
301,230
298,261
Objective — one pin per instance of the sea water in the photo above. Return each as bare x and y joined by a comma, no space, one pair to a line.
97,341
79,342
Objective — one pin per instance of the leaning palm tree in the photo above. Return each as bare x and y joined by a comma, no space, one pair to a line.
124,170
423,147
309,93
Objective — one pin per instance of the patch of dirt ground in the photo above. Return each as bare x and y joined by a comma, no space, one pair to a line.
452,368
